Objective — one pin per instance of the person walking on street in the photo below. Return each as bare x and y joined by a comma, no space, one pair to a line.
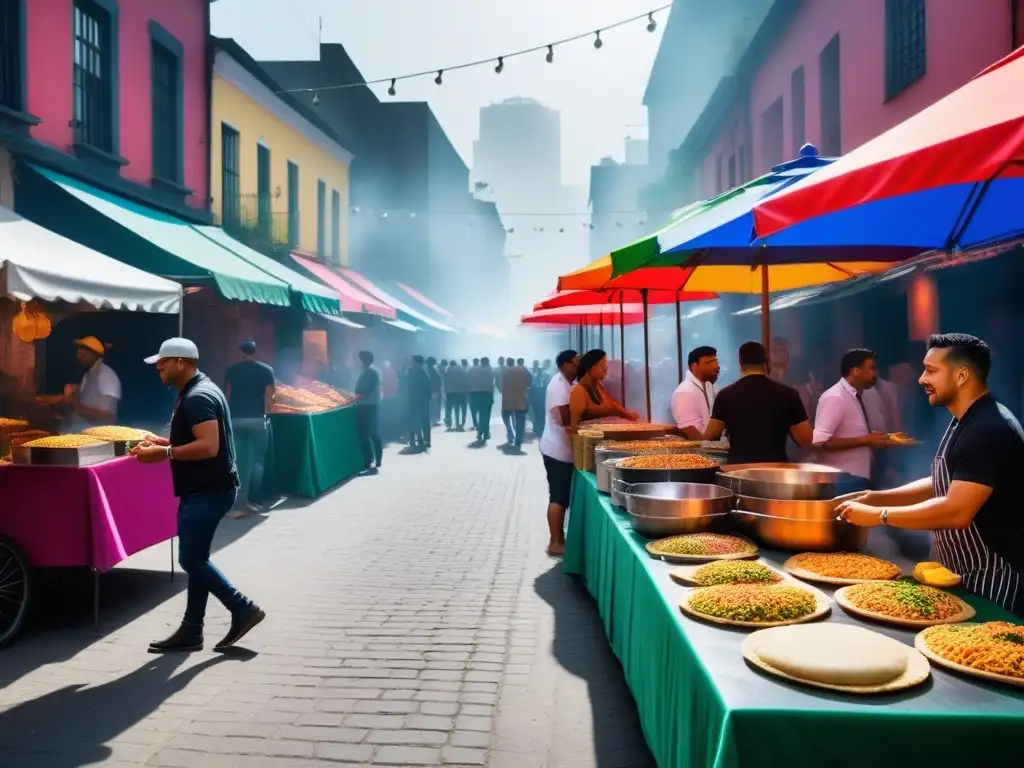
461,402
368,399
249,388
417,387
481,390
506,415
515,401
201,451
472,394
445,408
435,392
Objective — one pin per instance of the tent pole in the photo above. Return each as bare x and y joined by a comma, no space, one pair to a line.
622,353
181,314
647,357
766,326
679,340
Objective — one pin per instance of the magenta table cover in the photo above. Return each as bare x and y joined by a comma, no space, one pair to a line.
90,516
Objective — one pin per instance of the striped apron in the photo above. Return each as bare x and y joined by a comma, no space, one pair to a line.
963,551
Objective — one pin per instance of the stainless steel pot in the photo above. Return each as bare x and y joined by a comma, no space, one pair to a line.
666,509
802,534
603,454
792,482
632,476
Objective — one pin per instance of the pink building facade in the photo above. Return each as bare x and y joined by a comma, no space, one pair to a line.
115,92
837,74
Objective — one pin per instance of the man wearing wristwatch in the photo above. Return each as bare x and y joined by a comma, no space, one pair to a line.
969,502
202,456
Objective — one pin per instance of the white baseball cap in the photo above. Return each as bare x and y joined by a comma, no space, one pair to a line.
176,347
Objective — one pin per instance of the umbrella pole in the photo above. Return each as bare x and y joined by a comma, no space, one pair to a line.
622,353
647,357
181,315
679,340
766,323
600,330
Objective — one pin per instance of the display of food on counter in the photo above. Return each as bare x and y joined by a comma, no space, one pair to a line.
993,648
652,446
841,567
668,461
734,572
63,441
936,575
753,603
115,434
312,397
903,601
837,656
626,426
7,424
702,545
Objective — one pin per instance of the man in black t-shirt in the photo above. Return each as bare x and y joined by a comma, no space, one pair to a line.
202,458
758,413
249,387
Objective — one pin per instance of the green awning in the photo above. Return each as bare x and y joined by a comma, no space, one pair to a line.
164,245
315,297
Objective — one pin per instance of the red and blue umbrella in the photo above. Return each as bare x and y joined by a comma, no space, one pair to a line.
950,177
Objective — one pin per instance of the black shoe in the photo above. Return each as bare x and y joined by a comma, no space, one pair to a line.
240,626
184,640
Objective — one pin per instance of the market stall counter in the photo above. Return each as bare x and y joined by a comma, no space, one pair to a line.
91,516
701,705
314,452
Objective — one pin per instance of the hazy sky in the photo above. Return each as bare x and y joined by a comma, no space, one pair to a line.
598,92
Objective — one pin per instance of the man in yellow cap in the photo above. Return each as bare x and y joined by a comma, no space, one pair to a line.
95,401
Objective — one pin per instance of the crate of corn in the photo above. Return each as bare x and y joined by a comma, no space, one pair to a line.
63,451
123,438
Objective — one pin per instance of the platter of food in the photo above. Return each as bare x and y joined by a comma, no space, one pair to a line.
668,461
123,438
701,547
904,603
63,451
841,568
630,430
726,572
991,651
653,445
755,605
836,657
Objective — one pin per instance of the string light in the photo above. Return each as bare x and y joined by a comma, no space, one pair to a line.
391,88
316,99
548,47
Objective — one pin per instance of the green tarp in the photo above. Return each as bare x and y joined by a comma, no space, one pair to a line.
158,243
315,452
702,706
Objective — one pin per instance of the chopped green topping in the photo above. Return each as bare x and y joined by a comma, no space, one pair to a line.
1011,637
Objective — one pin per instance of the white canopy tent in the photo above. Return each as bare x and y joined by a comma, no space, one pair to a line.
36,263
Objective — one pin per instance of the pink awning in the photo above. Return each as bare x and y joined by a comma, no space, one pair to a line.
425,301
352,298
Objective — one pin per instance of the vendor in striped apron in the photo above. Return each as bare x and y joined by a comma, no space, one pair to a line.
970,501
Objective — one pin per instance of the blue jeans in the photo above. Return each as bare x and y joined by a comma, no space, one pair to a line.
251,441
199,514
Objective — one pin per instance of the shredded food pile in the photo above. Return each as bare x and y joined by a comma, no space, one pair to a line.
996,647
845,565
652,446
668,461
904,599
63,441
734,572
753,602
702,544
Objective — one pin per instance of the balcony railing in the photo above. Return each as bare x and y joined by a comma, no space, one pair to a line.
251,218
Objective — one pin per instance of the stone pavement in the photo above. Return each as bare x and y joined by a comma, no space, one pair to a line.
413,619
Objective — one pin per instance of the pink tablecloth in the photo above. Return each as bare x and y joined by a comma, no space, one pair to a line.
93,516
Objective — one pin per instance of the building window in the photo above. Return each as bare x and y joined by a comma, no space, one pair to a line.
263,189
771,135
905,49
94,76
335,226
831,100
230,177
293,205
798,109
11,54
166,113
321,214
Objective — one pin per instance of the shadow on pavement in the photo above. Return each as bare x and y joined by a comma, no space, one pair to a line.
70,727
580,647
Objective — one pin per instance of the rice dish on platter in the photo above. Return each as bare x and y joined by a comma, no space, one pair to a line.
701,544
844,565
734,572
904,599
759,603
996,647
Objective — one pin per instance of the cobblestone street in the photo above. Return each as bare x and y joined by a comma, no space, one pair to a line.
413,619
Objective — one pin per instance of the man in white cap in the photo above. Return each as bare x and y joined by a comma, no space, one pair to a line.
202,456
94,403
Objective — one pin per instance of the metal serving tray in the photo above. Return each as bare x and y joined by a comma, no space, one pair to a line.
63,457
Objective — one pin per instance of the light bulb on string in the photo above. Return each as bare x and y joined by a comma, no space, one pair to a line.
551,54
499,68
651,23
316,98
440,77
391,88
598,42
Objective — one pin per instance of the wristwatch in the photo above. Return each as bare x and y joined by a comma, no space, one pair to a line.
169,457
883,516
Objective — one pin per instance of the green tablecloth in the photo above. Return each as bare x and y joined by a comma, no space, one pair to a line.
312,453
702,706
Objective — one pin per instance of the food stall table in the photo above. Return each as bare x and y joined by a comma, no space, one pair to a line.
313,452
93,516
701,705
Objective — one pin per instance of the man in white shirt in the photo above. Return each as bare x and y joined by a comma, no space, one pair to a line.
842,427
94,403
556,448
694,398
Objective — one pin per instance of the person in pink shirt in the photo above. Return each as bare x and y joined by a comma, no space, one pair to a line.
842,427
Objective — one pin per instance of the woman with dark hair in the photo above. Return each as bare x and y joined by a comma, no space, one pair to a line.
588,399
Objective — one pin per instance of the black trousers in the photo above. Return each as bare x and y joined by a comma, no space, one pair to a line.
419,423
368,427
483,405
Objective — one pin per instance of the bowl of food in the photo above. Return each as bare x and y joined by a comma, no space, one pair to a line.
701,548
664,509
796,482
690,467
904,603
621,449
801,534
755,605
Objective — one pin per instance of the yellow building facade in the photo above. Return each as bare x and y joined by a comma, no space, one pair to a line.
276,168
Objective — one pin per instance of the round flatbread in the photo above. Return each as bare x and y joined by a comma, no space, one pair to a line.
832,654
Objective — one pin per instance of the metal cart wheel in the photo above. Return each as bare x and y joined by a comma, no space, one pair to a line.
15,590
